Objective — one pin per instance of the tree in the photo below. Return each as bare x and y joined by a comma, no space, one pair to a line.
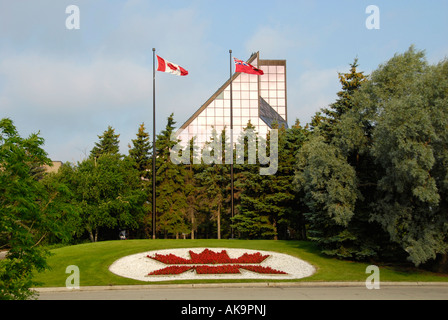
252,221
393,138
141,152
406,101
108,144
350,83
108,192
327,179
170,182
215,178
22,222
59,209
329,185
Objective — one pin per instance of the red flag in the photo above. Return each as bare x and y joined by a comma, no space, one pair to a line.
166,66
241,66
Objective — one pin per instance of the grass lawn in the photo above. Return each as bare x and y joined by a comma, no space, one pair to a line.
94,259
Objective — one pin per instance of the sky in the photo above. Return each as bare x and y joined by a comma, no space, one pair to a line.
70,84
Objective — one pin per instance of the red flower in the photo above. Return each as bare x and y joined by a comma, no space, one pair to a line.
210,257
170,270
261,269
224,269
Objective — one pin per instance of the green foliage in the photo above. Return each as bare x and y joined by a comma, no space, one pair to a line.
410,145
214,179
108,144
108,193
269,206
22,221
328,182
391,134
171,195
141,152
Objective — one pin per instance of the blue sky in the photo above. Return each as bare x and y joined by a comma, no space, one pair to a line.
71,84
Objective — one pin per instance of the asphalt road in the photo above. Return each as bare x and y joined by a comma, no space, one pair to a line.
320,292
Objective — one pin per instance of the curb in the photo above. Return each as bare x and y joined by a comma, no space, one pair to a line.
240,285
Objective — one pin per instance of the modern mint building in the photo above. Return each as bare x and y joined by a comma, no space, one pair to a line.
261,100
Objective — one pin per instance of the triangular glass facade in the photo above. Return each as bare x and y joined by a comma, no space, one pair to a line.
258,99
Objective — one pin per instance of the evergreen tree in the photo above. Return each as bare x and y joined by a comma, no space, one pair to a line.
252,221
215,178
193,189
170,189
327,179
350,83
108,144
141,151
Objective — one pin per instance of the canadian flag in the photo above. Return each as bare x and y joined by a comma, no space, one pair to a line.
166,66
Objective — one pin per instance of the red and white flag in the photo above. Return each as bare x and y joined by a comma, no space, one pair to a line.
241,66
166,66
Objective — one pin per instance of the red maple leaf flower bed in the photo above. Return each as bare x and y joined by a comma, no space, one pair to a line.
200,262
209,257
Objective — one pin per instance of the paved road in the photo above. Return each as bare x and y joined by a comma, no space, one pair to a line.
321,292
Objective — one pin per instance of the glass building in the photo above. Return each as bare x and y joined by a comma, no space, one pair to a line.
258,99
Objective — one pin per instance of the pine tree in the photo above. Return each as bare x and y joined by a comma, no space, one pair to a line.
141,152
108,144
350,83
252,221
327,179
215,178
170,183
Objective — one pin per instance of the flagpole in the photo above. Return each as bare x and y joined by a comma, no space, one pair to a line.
154,214
231,142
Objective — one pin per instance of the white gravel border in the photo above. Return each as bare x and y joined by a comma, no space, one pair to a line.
137,266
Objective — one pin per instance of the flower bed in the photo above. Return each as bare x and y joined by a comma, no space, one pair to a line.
200,263
223,269
273,265
209,257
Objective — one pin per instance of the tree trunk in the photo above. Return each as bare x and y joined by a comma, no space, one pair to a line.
92,239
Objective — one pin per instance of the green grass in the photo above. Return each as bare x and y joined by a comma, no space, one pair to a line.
94,259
